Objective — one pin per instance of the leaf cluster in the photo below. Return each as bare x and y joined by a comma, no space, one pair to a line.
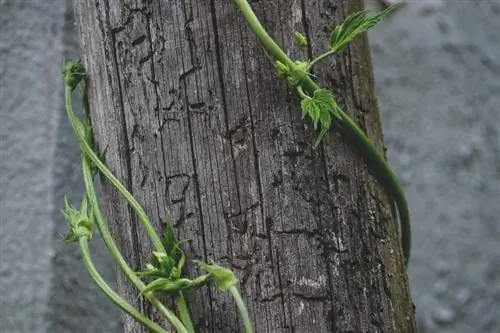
73,72
320,108
354,25
79,221
166,267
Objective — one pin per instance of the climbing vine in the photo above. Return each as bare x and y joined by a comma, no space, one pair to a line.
164,273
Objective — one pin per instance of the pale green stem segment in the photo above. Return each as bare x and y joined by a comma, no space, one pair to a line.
301,92
273,49
114,297
103,226
180,301
242,309
320,58
379,166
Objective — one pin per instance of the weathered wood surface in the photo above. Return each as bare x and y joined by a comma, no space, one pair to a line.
195,120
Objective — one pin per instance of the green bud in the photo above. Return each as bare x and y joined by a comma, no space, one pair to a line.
73,72
282,69
80,224
301,40
223,277
298,73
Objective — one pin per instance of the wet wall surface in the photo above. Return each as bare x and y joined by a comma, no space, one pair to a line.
437,73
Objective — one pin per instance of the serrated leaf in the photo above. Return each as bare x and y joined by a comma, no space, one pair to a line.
324,99
325,120
354,25
306,105
321,109
168,264
320,137
312,109
169,239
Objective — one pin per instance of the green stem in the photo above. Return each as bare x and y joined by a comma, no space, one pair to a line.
320,58
114,297
386,177
180,301
302,94
103,226
143,218
242,309
115,252
269,44
84,205
346,124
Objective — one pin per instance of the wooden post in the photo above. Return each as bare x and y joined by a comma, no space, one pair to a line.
194,119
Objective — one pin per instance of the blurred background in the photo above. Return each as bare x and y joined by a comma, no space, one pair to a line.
437,73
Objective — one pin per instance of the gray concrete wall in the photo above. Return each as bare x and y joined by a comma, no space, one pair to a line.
44,286
30,47
437,72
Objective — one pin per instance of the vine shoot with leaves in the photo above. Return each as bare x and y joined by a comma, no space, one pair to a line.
164,272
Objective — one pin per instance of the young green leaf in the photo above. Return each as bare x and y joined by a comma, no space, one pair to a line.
325,120
311,109
354,25
169,239
223,277
320,137
324,99
319,108
80,221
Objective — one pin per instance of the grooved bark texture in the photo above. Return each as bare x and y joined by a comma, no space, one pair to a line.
194,119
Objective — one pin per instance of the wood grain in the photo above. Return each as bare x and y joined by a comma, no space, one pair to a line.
194,120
